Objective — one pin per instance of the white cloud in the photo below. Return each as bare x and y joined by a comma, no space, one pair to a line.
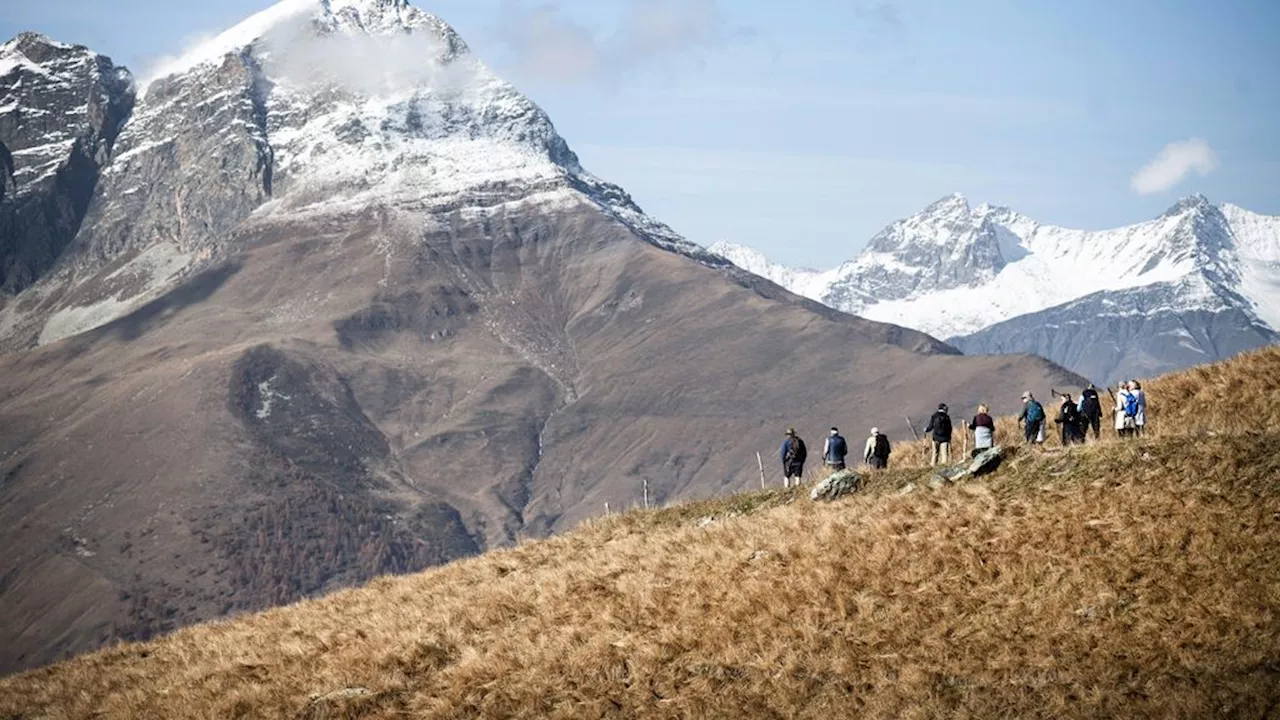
375,65
1172,164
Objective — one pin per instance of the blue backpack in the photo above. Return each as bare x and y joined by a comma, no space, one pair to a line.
1035,412
1131,406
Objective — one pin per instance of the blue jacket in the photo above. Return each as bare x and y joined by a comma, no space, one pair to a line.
801,451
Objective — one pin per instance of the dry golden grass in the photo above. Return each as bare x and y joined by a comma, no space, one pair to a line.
1134,579
1241,395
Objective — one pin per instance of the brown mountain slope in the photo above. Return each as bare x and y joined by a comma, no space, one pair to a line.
354,396
1116,580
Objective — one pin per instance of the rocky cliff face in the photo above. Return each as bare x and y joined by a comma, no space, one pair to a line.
61,109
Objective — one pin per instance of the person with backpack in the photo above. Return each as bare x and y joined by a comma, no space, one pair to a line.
1090,408
834,451
940,426
793,454
984,431
1032,418
1139,407
877,450
1070,420
1120,410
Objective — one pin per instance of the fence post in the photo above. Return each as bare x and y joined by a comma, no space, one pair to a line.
760,463
646,493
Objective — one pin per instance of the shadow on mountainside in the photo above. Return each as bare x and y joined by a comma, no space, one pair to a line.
192,292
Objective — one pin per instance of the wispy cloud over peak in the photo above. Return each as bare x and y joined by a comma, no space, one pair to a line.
1174,163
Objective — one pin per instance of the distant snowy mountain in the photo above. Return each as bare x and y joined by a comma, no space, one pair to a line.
801,281
1198,283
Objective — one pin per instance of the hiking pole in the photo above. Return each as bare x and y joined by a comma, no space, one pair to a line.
913,427
761,464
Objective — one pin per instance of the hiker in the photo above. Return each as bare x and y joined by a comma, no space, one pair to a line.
1125,409
793,454
984,431
1069,419
1090,408
940,426
1032,418
877,451
834,451
1140,407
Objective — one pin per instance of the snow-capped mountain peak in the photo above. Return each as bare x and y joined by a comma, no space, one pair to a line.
949,205
1192,202
285,20
308,108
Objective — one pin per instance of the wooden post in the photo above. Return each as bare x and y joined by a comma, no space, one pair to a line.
760,463
646,493
606,509
965,425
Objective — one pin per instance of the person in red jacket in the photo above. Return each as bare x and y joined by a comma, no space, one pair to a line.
984,430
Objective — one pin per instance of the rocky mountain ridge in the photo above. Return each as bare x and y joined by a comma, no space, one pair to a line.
61,110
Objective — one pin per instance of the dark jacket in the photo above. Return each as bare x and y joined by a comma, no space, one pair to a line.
983,420
940,426
837,449
1069,419
793,452
1090,406
881,448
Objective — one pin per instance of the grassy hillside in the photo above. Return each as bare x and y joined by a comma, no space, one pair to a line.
1132,579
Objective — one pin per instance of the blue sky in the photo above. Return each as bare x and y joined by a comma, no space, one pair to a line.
803,128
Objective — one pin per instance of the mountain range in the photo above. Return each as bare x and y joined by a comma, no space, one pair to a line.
1199,283
324,298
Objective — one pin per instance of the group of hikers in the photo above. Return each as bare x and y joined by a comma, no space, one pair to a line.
1075,419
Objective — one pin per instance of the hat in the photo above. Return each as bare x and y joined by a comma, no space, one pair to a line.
875,431
1026,395
791,431
942,407
834,431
